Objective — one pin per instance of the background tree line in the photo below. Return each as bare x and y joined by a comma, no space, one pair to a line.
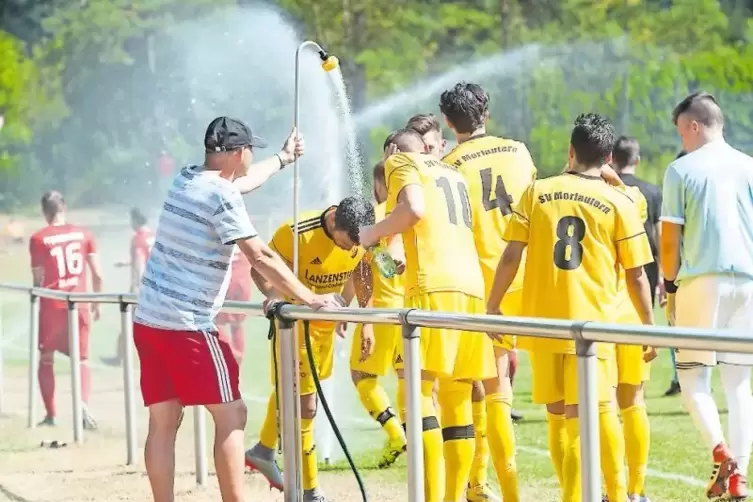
83,83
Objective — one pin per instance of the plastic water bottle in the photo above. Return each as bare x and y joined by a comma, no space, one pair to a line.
384,262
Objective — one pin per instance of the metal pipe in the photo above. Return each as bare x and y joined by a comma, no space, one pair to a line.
33,358
290,411
74,352
126,328
413,420
200,444
588,421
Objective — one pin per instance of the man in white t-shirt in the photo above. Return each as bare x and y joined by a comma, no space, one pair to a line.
183,360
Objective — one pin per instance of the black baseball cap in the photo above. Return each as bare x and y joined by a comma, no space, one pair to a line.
225,134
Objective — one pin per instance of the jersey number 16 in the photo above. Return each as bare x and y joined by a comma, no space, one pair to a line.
69,259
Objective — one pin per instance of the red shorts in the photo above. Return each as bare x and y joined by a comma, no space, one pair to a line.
53,330
194,367
239,291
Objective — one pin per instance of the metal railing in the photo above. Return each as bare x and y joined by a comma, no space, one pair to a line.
585,334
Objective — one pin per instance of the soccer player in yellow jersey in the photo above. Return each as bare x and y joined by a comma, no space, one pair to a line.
328,253
375,345
497,172
577,230
428,205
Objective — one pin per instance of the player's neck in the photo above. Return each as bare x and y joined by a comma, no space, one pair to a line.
57,221
627,170
328,221
590,171
462,137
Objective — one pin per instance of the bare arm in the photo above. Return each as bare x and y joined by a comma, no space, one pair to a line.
640,293
410,210
259,174
264,286
669,249
362,284
274,270
503,277
92,260
38,276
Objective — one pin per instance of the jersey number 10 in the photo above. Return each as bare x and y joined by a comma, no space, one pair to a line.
446,187
69,259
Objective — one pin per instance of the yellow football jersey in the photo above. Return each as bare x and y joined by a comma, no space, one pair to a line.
578,230
625,311
387,293
439,250
497,172
322,266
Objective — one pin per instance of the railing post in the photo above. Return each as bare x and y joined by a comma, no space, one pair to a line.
290,410
413,421
200,444
74,352
33,359
588,419
126,327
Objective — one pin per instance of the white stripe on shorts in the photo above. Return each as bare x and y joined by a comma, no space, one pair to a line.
223,375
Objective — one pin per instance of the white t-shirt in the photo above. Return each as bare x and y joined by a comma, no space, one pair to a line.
188,271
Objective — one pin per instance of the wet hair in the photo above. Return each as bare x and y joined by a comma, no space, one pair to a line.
52,203
465,106
137,217
626,151
703,107
592,139
406,140
424,123
353,213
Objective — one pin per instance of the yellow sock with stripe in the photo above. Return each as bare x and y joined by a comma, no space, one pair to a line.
480,464
612,452
309,471
268,433
501,437
637,433
571,462
557,442
375,400
457,432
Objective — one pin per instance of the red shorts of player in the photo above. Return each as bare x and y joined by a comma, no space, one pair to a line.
194,367
239,291
53,330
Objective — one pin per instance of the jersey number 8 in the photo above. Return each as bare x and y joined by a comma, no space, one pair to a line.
69,259
444,184
568,250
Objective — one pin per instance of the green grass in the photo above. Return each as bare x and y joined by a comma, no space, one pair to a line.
676,447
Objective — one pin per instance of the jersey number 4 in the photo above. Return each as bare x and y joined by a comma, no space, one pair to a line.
568,250
446,187
502,200
69,259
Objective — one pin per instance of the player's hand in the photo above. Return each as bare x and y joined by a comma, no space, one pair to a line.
269,303
494,310
649,353
367,342
293,148
390,151
95,311
341,329
610,176
669,308
400,266
661,293
328,301
368,236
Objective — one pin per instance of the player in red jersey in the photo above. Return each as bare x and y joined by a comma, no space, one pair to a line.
60,256
239,290
141,244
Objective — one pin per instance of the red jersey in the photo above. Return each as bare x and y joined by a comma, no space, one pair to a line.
141,244
240,268
61,251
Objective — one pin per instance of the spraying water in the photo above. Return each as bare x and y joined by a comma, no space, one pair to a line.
353,155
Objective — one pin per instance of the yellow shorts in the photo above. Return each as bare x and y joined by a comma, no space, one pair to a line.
452,353
512,305
555,378
631,368
322,336
386,339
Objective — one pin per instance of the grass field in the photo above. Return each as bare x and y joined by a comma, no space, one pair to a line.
95,471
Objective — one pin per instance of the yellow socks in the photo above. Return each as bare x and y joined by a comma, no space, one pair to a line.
375,400
557,442
457,431
268,433
401,399
309,468
501,437
481,455
612,452
571,463
637,434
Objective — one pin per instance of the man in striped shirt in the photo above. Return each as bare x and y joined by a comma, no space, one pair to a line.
183,360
